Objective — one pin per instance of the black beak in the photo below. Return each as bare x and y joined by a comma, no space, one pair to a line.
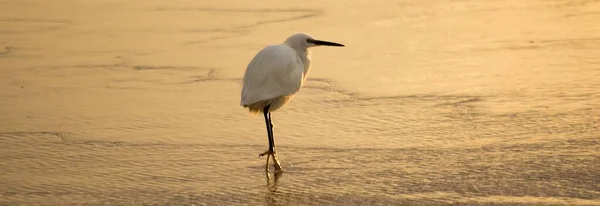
326,43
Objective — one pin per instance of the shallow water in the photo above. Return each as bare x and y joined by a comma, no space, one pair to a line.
431,102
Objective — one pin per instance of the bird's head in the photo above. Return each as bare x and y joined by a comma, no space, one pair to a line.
304,41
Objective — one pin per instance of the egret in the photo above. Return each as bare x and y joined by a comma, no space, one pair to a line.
273,76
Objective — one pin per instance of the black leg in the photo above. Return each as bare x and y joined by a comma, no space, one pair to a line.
271,152
269,128
272,148
270,121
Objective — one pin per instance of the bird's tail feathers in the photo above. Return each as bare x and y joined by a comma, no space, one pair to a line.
257,108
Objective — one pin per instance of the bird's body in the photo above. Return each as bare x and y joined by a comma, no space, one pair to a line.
274,75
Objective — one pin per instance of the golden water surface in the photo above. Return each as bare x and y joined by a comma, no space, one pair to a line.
431,102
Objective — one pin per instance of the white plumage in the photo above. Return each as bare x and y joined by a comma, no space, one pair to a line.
272,78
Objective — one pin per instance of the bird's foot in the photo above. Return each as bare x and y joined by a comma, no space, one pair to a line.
270,154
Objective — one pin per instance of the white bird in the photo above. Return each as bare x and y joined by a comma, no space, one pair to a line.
273,76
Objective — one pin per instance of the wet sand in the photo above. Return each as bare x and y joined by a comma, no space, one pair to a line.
431,103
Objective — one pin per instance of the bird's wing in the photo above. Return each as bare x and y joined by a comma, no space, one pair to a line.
275,71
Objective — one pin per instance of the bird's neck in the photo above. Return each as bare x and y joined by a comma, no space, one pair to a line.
305,57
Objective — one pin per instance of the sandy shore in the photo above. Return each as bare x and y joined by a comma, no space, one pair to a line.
431,103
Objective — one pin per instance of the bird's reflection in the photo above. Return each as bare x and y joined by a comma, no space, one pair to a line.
272,180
